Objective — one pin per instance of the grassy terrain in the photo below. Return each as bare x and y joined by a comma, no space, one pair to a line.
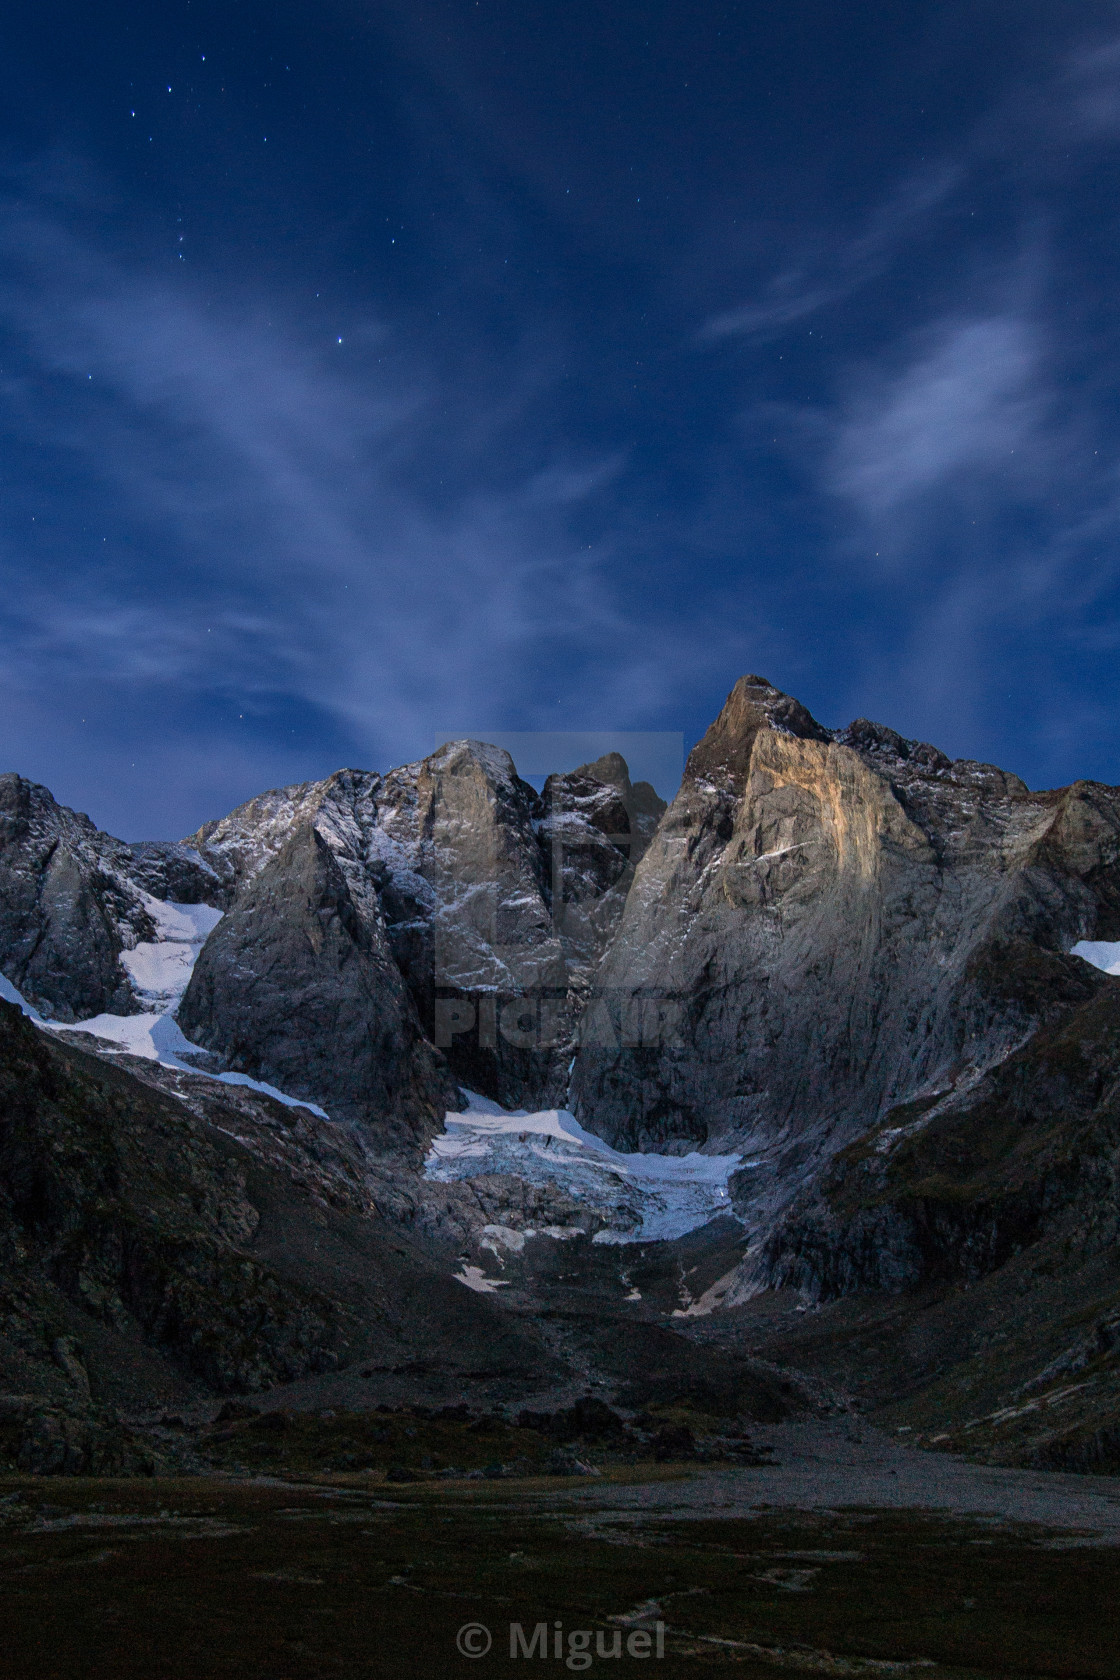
205,1578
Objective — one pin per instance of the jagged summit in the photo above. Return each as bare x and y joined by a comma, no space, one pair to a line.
753,704
643,804
825,912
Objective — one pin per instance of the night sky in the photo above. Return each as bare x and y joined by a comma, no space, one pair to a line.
377,371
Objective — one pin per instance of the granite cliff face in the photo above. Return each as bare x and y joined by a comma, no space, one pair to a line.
493,902
946,1190
827,924
384,936
297,987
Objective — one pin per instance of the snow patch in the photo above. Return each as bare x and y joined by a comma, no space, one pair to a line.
160,969
1100,953
648,1198
159,1038
475,1278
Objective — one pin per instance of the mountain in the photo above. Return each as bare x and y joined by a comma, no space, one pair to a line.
866,982
829,923
166,1240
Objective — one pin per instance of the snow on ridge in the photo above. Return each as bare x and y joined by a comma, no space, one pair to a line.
159,1038
650,1198
9,993
159,970
1100,952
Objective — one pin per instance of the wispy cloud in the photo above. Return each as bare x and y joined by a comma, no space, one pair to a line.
301,551
959,407
802,288
1090,88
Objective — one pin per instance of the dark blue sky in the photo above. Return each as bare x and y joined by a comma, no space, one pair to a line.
368,369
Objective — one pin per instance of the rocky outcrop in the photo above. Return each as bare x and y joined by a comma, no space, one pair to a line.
69,906
175,872
642,803
819,932
491,904
586,835
56,1441
297,986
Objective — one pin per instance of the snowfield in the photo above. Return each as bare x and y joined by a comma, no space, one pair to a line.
160,969
650,1198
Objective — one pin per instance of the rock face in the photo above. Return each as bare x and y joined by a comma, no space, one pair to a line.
586,835
165,1238
643,804
827,924
68,906
380,930
494,903
961,1256
946,1190
172,871
297,986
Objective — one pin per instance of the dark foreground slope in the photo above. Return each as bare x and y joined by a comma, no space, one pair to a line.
961,1260
148,1254
159,1254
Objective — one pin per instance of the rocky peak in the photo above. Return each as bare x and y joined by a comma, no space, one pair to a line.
816,932
239,845
297,986
68,906
643,804
723,756
484,894
599,803
611,769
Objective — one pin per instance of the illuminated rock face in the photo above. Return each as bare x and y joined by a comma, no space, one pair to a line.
830,923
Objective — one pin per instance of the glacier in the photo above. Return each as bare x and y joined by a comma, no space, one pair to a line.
647,1198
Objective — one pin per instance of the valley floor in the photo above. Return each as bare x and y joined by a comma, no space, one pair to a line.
851,1555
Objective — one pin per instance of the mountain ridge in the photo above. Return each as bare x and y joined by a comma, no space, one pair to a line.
837,954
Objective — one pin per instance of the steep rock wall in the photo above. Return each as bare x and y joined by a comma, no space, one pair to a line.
297,986
68,906
814,935
494,903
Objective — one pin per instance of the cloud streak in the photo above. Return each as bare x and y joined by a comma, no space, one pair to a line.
803,289
957,410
